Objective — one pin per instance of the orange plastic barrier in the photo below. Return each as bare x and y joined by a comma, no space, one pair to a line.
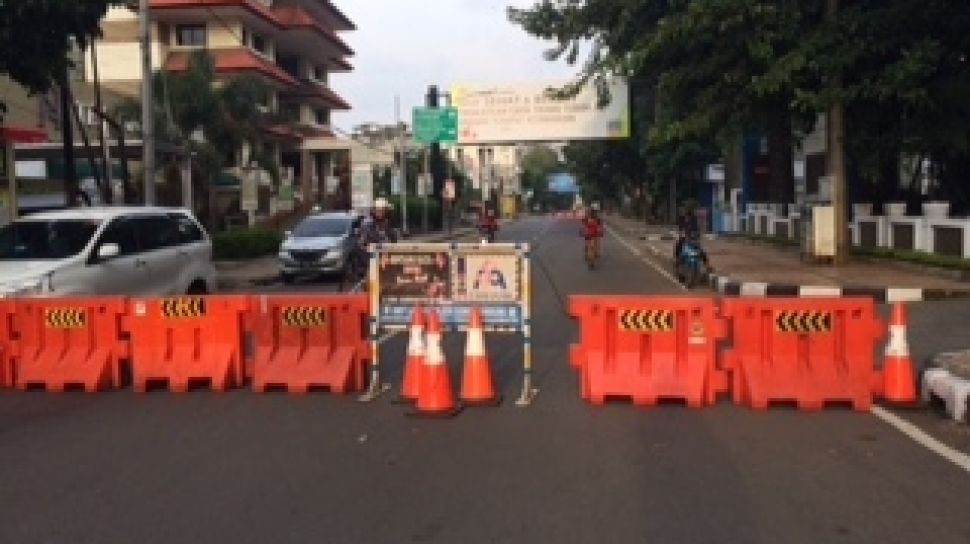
806,350
648,348
187,340
304,341
8,311
68,342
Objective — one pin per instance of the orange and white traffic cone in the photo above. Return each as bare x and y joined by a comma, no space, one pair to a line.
477,386
413,366
435,397
899,377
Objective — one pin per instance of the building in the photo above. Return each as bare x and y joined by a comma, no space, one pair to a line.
292,45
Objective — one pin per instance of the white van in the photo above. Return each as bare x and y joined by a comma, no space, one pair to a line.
106,251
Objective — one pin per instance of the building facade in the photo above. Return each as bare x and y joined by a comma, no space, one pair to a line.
292,45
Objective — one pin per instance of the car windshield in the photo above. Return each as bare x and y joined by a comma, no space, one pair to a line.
55,239
317,227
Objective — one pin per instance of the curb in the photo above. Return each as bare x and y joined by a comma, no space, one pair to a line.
727,286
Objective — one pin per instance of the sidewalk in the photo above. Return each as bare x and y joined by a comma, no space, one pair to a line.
266,270
744,267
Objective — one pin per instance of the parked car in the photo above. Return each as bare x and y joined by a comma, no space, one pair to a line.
106,251
319,244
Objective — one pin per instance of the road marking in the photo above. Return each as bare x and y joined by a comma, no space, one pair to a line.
633,249
387,336
754,289
958,458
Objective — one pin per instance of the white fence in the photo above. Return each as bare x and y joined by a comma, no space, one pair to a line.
932,232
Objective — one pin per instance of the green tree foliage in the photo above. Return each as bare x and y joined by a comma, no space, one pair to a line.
721,68
37,35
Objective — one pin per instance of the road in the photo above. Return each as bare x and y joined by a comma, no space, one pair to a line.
246,468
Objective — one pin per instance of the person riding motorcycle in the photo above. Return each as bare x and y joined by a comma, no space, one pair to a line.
377,229
688,231
488,225
592,232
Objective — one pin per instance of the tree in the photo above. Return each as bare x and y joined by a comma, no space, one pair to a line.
212,122
36,37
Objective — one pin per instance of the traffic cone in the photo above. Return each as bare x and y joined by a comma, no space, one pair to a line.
899,377
435,396
411,386
477,386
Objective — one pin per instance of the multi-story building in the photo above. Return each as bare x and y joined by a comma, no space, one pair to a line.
293,45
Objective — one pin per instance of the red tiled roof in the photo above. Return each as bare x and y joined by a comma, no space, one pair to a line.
341,63
315,90
297,17
338,14
283,17
282,131
234,60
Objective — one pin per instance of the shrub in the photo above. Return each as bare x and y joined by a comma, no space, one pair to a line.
246,244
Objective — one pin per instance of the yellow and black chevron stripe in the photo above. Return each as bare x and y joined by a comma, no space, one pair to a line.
183,307
66,318
803,321
647,320
304,316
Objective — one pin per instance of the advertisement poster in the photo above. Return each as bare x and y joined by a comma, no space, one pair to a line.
529,112
486,278
414,277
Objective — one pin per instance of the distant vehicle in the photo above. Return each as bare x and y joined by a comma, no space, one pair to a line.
320,244
106,251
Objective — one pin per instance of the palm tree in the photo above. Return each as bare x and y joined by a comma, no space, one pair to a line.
211,122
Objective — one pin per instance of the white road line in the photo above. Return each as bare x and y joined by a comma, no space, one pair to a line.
958,458
633,249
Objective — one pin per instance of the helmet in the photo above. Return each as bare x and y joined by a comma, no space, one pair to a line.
595,206
381,203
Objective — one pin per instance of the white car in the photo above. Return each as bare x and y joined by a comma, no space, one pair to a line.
106,251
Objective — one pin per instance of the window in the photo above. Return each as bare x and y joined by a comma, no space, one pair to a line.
320,73
190,35
189,231
258,43
322,227
323,117
120,232
53,239
156,232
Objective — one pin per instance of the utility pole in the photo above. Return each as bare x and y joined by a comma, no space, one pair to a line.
67,130
430,158
108,195
836,134
403,164
147,100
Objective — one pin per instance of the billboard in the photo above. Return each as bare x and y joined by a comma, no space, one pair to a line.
527,112
563,183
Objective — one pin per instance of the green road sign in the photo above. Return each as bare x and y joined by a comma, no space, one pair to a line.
435,125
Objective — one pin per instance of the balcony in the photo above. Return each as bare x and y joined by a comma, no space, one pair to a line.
239,60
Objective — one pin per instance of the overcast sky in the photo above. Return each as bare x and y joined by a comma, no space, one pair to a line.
402,46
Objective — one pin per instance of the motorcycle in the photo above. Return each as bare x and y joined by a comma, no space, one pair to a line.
691,266
487,232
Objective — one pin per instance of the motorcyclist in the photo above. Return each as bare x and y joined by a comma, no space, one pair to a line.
488,224
592,232
688,229
378,229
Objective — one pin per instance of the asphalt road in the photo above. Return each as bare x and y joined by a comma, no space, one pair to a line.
240,467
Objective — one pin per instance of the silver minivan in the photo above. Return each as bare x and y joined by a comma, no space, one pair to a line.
106,251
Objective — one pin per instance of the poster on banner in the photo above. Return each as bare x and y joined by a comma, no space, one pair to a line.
414,277
486,278
362,187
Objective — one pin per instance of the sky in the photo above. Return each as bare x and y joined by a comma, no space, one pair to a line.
402,46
